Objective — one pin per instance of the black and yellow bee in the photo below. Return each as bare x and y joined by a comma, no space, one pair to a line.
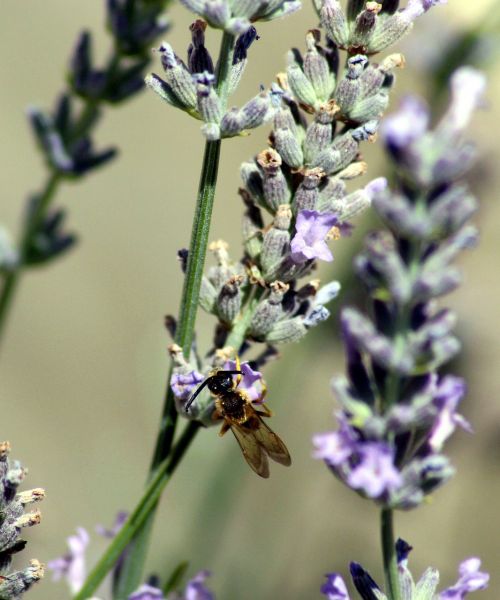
234,406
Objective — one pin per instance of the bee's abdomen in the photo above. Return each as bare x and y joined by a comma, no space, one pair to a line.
233,406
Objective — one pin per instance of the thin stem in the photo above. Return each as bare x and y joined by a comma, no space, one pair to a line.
389,555
138,516
131,572
11,280
196,256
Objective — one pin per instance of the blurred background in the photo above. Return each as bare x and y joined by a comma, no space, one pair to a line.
84,360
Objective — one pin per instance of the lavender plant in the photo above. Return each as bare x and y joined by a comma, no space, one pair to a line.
299,180
64,135
13,519
397,408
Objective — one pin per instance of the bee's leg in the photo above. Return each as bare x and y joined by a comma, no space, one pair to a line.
216,416
260,399
238,368
265,412
225,427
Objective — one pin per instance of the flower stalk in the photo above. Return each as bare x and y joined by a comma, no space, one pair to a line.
389,554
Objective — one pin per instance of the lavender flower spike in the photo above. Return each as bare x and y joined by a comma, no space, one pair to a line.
13,519
394,387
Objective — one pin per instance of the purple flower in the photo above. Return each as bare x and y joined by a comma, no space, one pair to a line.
374,187
309,242
251,382
416,8
471,579
334,588
334,447
407,125
447,396
196,589
147,592
72,565
467,90
184,384
375,473
120,519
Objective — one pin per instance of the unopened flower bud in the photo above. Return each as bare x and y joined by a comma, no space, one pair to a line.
276,242
349,88
317,69
31,496
199,59
269,311
334,21
287,331
275,186
289,147
178,77
300,85
208,103
256,111
307,194
252,179
28,519
320,133
229,300
14,586
365,25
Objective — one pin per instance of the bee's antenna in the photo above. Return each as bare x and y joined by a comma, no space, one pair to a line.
198,390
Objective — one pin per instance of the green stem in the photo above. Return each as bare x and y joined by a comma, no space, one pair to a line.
389,555
196,257
136,519
11,279
131,573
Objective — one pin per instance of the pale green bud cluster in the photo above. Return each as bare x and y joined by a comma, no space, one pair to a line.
196,93
13,520
237,16
369,27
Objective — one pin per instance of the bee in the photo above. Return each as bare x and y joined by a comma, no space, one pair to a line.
256,440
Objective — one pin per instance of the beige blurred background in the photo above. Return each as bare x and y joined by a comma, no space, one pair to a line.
83,366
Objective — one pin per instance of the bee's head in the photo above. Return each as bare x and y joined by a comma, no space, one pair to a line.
219,384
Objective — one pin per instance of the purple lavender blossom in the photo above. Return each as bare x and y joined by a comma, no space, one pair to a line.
407,125
334,447
309,242
147,592
72,566
416,8
375,474
467,91
184,384
334,588
446,399
251,382
120,519
196,589
471,580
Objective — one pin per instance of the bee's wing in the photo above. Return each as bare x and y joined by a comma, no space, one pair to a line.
271,442
257,442
251,448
